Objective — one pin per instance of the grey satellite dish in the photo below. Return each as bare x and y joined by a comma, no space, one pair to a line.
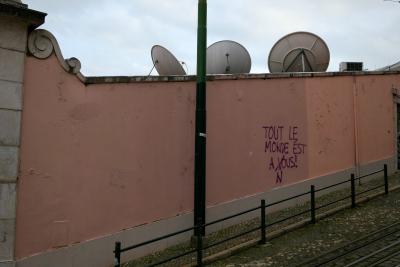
299,52
165,62
227,57
393,67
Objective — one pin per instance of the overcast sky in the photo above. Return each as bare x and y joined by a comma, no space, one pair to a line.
115,37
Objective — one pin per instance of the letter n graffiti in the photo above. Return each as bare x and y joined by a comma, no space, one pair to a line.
279,176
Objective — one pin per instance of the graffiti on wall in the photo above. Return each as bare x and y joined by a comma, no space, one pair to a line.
283,148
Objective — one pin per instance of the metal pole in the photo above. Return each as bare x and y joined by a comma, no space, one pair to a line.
353,190
385,174
312,192
199,245
263,239
117,254
200,138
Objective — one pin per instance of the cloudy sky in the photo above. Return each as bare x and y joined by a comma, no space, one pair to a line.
115,37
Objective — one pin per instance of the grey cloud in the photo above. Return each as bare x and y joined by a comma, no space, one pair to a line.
115,37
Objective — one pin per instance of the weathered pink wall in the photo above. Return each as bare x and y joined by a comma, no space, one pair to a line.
376,120
330,124
343,111
237,164
101,158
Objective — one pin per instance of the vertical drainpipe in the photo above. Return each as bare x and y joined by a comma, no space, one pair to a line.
396,102
200,138
356,145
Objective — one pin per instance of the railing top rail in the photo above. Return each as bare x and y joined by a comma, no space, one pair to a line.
287,199
333,202
369,190
232,237
232,216
369,174
333,185
290,217
158,239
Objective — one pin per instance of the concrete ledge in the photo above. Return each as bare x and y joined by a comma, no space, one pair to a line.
278,194
263,76
98,252
72,65
20,11
16,3
377,165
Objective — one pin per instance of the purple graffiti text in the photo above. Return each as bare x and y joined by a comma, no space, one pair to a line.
273,132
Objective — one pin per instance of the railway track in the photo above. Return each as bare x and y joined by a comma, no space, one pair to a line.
378,249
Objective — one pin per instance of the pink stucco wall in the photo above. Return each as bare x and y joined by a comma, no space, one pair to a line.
237,162
331,139
101,158
376,120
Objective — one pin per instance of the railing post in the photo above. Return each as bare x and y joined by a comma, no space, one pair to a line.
117,254
385,174
312,192
263,239
199,246
353,190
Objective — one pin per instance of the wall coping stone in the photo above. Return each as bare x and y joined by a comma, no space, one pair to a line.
16,3
261,76
18,10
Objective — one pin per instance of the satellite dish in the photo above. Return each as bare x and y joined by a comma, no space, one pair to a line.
299,52
165,62
394,67
227,57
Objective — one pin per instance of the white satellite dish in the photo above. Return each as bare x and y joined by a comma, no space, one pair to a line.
165,62
393,67
299,52
227,57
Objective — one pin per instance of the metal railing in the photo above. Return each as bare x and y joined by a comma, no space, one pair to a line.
199,249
